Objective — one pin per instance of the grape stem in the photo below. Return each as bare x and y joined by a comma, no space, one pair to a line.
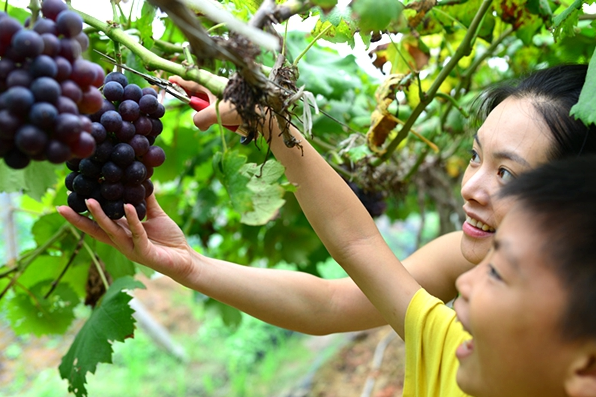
35,8
93,256
151,61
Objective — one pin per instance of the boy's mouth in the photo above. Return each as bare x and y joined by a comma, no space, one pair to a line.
465,349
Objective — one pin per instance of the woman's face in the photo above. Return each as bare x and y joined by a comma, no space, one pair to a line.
512,140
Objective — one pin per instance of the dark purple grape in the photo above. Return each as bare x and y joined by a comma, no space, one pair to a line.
9,124
8,28
141,210
135,173
51,8
149,91
87,123
149,172
28,42
122,155
128,109
127,131
73,164
43,66
57,152
19,100
133,92
14,54
116,76
90,168
100,75
70,49
96,195
43,115
134,194
156,127
111,172
64,68
19,78
6,66
148,104
154,157
76,202
71,90
151,140
111,120
51,44
69,23
84,185
143,125
140,145
103,151
16,159
106,105
112,191
66,105
68,128
84,146
69,179
98,132
45,89
30,139
6,145
83,40
45,25
159,113
114,209
113,91
92,100
83,72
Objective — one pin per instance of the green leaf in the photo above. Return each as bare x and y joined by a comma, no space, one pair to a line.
227,169
33,181
342,29
267,194
584,109
564,23
110,321
46,227
30,313
145,25
370,17
116,263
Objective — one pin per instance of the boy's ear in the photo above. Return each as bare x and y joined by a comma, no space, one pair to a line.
581,381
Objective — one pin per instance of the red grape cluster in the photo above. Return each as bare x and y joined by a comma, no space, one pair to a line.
118,171
45,86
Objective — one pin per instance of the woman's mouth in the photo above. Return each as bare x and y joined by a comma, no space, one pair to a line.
477,229
479,225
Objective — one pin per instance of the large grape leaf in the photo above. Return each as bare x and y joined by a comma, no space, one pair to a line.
565,22
116,263
34,180
584,109
145,24
30,313
227,167
339,26
110,321
267,193
369,17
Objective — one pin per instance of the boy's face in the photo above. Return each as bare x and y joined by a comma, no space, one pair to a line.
511,303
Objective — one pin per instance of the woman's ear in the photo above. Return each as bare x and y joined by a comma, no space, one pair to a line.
581,381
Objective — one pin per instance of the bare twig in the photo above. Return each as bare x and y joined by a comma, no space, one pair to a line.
70,261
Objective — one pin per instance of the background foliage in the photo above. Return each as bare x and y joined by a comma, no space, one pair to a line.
433,59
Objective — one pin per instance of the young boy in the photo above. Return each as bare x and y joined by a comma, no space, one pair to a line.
526,315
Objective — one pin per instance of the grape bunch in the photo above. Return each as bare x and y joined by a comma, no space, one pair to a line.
46,87
120,168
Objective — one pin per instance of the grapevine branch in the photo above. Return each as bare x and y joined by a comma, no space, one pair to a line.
462,51
70,261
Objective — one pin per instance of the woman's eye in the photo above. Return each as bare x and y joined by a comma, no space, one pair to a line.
474,158
492,272
505,174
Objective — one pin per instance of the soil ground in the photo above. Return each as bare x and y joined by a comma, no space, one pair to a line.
345,374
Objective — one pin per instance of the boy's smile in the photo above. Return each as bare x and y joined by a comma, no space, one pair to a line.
512,304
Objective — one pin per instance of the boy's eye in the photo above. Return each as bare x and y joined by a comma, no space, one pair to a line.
505,175
474,157
492,272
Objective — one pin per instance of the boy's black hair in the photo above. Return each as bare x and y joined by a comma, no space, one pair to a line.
561,197
552,91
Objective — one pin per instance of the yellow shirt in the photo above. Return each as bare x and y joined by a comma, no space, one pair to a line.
432,334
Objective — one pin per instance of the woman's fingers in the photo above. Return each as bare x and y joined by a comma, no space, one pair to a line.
139,234
117,233
84,224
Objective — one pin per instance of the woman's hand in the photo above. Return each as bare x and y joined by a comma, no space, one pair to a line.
157,243
208,116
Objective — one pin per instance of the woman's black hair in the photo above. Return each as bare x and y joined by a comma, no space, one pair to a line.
560,198
553,92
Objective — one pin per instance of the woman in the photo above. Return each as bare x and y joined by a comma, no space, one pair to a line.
525,126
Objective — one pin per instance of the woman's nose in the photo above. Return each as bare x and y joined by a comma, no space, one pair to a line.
475,186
